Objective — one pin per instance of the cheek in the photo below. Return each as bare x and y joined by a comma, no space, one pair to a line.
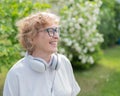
36,41
42,39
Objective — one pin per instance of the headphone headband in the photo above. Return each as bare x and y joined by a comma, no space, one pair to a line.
40,65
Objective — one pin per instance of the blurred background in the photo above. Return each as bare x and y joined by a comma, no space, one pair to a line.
90,38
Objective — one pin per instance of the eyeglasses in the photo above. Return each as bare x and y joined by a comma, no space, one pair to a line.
51,31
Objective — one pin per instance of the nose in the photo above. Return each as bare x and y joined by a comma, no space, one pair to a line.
56,35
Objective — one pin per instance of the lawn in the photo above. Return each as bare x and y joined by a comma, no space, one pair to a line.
101,80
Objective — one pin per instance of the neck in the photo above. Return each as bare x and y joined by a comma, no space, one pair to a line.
43,55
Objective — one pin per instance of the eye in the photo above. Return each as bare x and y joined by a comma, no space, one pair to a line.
50,29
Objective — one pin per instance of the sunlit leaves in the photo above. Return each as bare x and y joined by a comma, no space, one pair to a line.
10,12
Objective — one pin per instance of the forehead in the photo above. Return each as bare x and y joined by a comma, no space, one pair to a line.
51,25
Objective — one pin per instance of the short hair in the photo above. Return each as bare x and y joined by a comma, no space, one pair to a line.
28,27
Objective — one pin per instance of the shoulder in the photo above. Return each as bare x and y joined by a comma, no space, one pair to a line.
16,68
63,58
64,61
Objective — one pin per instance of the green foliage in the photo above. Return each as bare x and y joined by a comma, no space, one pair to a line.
117,17
10,12
108,26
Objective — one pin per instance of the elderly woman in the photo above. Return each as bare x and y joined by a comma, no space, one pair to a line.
42,71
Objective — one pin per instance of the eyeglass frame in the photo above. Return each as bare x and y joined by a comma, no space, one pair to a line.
53,30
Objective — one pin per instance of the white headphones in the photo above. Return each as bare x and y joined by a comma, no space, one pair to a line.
39,65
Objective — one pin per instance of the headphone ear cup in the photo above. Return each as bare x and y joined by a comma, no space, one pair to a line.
38,65
55,62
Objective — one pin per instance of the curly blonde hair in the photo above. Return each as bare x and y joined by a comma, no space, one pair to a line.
28,27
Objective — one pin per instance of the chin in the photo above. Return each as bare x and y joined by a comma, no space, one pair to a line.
53,51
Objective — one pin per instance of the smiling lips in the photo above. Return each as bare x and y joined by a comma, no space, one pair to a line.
53,43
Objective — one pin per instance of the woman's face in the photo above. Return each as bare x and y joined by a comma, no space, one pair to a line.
45,42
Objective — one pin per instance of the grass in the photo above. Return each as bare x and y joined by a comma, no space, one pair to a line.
104,78
101,80
2,79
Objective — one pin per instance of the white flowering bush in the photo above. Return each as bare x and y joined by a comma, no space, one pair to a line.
80,39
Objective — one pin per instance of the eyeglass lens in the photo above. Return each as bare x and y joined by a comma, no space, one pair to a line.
51,31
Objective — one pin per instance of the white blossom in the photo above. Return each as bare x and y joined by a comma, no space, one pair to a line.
62,50
80,29
70,56
85,50
73,19
80,20
96,10
75,12
83,61
77,26
89,44
72,30
71,24
90,60
92,49
69,43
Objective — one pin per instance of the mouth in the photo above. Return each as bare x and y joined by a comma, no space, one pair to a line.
53,43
